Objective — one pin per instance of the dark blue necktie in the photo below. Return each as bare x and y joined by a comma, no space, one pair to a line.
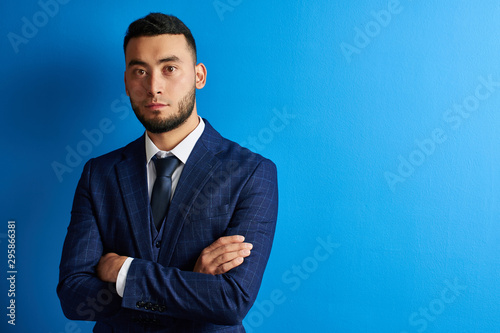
162,189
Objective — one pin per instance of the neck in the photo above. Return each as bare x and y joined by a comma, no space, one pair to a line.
169,140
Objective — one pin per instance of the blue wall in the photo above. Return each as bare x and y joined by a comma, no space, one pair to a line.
383,118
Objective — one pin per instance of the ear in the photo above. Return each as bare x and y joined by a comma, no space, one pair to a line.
201,75
125,80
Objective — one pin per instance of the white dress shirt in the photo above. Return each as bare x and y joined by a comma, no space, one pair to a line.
182,152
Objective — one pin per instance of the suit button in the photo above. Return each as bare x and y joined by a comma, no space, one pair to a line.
162,308
148,306
155,307
140,304
158,244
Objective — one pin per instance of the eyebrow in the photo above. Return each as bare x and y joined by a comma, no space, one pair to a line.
135,62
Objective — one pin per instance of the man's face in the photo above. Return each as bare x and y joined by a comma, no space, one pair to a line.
161,80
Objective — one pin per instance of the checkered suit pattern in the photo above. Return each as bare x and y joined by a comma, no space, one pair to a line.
224,190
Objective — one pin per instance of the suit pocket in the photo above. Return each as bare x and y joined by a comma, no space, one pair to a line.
208,213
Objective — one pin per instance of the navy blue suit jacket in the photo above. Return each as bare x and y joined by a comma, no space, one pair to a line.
223,190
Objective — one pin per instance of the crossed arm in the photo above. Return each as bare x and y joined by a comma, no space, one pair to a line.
86,275
220,257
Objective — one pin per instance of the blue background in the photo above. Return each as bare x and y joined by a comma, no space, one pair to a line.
363,85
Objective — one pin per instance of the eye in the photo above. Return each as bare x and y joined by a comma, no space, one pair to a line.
169,69
140,72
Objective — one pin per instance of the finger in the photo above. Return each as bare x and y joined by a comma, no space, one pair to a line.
228,249
210,262
224,241
109,255
221,255
229,265
229,239
227,257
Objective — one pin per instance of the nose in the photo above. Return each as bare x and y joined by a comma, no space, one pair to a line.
155,85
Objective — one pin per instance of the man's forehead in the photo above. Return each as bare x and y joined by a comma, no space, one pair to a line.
157,47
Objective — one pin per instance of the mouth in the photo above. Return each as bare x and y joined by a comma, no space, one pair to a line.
155,106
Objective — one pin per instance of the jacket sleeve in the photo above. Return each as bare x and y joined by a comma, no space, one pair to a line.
83,296
221,299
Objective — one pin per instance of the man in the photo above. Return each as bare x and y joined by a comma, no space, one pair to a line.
149,250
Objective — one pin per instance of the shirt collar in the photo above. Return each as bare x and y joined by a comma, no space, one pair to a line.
182,150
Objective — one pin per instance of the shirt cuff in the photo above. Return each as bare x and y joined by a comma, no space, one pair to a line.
122,277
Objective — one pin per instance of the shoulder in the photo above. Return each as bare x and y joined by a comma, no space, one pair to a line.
229,151
109,160
240,162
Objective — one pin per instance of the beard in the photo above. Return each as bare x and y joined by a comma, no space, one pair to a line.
161,125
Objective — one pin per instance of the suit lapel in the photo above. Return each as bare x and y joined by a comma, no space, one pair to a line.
132,179
198,170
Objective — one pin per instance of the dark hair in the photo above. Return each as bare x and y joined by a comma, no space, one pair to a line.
156,24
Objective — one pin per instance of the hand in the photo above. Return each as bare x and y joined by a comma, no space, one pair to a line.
223,255
108,267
